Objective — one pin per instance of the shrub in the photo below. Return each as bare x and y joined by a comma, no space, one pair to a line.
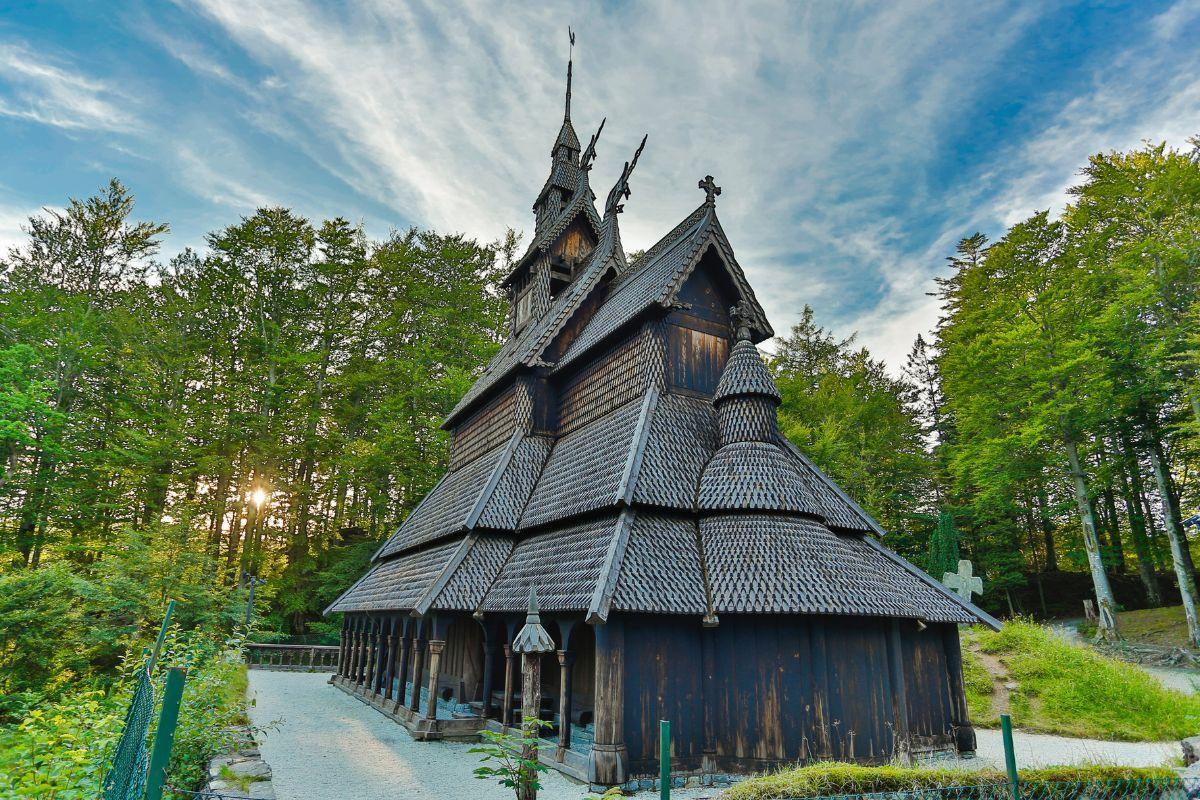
62,749
836,778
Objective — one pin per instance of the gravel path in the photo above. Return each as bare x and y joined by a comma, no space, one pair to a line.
327,745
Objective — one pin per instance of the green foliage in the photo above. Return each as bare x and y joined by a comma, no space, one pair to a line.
943,547
850,416
61,749
1072,690
838,779
505,756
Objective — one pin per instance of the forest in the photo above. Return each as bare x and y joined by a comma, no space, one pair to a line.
270,407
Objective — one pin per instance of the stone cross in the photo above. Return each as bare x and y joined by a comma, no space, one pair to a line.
963,583
711,190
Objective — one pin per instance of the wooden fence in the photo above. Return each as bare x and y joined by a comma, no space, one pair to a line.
298,657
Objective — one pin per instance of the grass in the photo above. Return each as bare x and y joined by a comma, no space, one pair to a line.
834,778
1164,627
1069,689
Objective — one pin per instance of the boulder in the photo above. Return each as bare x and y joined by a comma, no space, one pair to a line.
1191,750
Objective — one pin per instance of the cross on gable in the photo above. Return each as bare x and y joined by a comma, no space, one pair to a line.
963,583
711,190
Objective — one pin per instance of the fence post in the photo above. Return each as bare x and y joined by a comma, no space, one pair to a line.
664,759
164,738
1010,756
162,635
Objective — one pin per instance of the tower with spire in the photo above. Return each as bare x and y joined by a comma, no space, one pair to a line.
620,458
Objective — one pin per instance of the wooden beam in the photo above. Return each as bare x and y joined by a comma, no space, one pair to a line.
608,762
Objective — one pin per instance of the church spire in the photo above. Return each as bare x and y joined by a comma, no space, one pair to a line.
570,66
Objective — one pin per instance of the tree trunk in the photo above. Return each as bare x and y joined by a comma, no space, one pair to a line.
1137,523
1047,530
1106,605
1187,583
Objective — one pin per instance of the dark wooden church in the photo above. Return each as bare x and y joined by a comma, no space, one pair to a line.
621,455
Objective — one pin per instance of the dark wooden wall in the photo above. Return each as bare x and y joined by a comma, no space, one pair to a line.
784,689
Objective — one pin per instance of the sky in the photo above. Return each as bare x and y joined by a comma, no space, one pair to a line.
855,142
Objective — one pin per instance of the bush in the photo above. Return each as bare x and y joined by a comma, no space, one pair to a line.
835,778
1072,690
62,749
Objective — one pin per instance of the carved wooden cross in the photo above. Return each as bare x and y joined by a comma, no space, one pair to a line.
963,583
711,190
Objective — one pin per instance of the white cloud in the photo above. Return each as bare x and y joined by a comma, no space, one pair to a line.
40,90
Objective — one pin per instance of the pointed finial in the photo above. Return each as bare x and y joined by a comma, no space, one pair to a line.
711,190
570,69
589,154
739,316
533,638
620,190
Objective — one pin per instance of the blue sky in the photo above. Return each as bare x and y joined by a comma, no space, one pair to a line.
855,142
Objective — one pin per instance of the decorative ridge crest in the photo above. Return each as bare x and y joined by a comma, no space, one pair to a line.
620,190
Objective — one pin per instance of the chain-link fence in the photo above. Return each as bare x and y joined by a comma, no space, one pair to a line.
126,779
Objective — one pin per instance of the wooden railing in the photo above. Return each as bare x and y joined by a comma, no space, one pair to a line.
298,657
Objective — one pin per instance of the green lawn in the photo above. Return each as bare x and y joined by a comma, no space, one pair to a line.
1068,689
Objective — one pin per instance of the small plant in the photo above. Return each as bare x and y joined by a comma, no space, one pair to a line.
506,758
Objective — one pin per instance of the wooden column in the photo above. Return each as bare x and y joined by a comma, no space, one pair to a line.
372,651
566,660
393,656
902,749
708,693
489,670
360,661
407,628
964,732
383,653
608,763
414,703
506,704
531,706
341,662
436,646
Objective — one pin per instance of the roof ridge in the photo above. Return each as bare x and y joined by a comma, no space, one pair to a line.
633,463
614,556
430,594
494,479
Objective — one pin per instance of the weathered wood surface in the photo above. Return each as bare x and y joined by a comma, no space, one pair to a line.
292,657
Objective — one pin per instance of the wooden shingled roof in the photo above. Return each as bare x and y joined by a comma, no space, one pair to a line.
638,498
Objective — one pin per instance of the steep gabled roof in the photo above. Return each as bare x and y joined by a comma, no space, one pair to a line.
656,278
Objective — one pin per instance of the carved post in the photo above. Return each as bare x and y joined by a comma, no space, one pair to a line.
385,655
414,703
436,646
566,660
393,656
489,670
406,642
608,763
342,646
532,642
506,704
372,655
360,661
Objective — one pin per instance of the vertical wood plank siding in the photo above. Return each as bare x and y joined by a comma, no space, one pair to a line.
782,689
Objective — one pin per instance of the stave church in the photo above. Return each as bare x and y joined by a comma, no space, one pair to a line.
620,455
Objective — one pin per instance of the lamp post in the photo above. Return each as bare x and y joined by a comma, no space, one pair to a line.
251,581
532,642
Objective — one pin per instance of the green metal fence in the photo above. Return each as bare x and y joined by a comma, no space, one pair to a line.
126,778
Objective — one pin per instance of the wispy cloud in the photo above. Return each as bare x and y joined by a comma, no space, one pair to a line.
34,87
